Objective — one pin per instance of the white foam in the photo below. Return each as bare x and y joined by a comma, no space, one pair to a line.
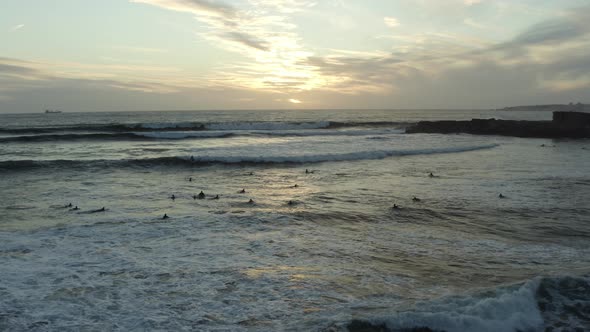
508,309
330,132
164,125
267,125
182,134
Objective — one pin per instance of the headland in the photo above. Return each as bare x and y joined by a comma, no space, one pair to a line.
565,124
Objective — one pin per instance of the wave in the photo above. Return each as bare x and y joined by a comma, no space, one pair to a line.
199,126
234,159
177,135
113,136
550,304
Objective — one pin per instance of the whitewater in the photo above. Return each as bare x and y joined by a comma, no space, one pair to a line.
318,248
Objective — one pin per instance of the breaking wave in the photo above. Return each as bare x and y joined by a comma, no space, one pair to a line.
236,159
199,126
549,304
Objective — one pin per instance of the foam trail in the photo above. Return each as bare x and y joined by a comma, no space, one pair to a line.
184,134
267,125
316,158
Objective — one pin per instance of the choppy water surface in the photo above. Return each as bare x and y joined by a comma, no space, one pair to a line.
460,259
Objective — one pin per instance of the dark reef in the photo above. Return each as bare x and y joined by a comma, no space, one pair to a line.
563,125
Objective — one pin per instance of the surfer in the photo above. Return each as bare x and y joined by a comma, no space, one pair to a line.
68,206
172,197
194,196
243,191
501,196
190,179
201,195
98,210
216,197
416,199
251,201
295,185
290,203
395,207
430,175
75,208
165,216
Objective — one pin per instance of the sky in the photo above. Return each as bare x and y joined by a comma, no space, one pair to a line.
123,55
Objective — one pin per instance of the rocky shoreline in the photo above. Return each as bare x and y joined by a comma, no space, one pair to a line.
563,125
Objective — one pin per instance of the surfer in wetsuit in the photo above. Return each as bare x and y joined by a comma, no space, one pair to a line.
430,175
395,207
416,199
501,196
243,191
172,197
75,209
251,201
165,216
98,210
201,195
190,179
68,206
290,203
216,197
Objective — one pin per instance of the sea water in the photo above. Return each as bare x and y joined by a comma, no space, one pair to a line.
319,245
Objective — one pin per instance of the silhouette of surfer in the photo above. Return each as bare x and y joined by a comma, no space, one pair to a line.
290,203
216,197
98,210
430,175
190,179
395,207
501,196
172,197
251,201
201,195
416,199
165,216
75,209
243,191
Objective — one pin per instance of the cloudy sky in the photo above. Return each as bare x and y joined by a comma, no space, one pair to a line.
84,55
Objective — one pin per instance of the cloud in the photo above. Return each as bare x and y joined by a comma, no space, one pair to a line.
391,22
137,49
17,27
551,55
262,32
197,7
470,22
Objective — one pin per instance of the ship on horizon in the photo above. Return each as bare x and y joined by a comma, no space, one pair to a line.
52,111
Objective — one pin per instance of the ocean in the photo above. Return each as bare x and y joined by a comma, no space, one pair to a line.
303,235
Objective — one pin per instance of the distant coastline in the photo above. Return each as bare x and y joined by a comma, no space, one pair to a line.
578,107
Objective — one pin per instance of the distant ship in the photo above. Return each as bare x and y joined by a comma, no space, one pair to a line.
52,111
